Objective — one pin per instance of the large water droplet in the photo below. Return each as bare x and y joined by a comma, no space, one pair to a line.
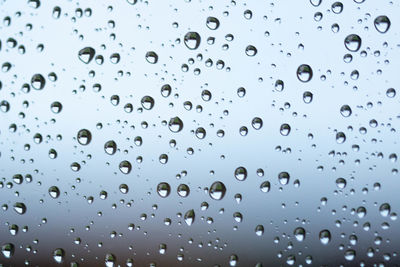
86,54
304,73
217,190
147,102
110,147
382,24
189,217
251,50
285,129
125,167
110,260
300,234
19,208
325,237
175,124
58,255
345,110
38,82
7,250
152,57
192,40
283,178
163,189
54,192
352,42
384,209
212,23
84,137
241,173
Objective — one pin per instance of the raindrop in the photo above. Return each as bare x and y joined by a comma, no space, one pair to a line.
300,234
217,190
212,23
251,51
189,217
175,124
285,129
241,173
110,147
345,110
58,255
283,178
38,82
163,189
192,40
8,250
382,24
147,102
86,54
325,237
152,57
84,137
54,192
304,73
352,42
125,167
19,208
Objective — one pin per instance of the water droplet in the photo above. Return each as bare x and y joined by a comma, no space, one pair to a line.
58,255
192,40
125,167
257,123
352,42
163,189
183,190
341,183
300,234
189,217
307,97
147,102
265,187
233,260
337,7
217,190
54,192
212,23
86,54
325,237
283,178
340,138
384,209
175,124
251,50
345,110
285,129
241,173
382,24
152,57
304,73
19,208
84,137
56,107
350,254
110,147
259,230
110,260
8,250
38,82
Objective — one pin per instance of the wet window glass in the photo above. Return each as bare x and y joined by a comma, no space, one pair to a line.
199,133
